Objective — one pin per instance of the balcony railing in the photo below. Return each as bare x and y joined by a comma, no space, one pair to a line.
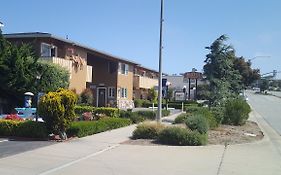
67,64
144,82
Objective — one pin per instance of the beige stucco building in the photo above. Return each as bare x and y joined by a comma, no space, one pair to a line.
114,81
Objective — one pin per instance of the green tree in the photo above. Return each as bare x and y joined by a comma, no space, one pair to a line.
248,74
224,79
52,77
203,91
264,85
152,95
17,71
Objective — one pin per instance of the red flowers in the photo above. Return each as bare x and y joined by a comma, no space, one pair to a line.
13,117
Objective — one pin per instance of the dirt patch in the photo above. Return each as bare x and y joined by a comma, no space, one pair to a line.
247,133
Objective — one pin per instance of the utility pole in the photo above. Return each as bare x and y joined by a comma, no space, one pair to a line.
159,112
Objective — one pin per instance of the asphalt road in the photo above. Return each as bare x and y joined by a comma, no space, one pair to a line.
11,147
269,107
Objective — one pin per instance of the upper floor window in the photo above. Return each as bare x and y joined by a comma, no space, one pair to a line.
48,50
112,67
124,68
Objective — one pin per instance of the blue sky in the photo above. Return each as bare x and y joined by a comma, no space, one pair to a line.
130,28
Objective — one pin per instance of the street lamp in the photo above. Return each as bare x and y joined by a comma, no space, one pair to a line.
263,56
159,113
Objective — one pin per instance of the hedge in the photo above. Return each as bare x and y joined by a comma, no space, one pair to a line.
79,110
109,112
176,105
85,128
29,129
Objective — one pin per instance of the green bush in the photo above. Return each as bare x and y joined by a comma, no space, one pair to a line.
181,136
29,129
134,117
85,128
86,97
181,118
8,127
147,131
57,110
165,112
197,123
236,112
109,112
204,112
192,109
150,115
138,103
218,114
79,110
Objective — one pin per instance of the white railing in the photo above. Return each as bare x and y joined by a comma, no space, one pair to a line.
67,64
145,82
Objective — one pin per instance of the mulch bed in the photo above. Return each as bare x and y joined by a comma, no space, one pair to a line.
225,134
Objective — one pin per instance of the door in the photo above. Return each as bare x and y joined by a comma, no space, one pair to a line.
101,97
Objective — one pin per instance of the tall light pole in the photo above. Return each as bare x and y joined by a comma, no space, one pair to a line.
159,112
264,56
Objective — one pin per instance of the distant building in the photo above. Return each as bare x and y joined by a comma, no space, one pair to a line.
180,84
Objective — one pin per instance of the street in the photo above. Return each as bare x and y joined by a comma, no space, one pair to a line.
269,107
12,147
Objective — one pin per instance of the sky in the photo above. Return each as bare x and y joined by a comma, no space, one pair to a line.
130,28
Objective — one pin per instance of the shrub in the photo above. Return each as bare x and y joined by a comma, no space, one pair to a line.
86,97
138,103
197,123
84,128
218,114
134,117
87,116
192,109
236,112
57,110
107,111
165,112
204,112
148,131
8,127
150,115
181,136
28,129
79,110
181,118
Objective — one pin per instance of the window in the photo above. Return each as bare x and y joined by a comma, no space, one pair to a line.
124,68
48,50
123,93
89,73
111,67
111,92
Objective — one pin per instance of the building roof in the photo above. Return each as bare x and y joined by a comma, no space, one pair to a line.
48,35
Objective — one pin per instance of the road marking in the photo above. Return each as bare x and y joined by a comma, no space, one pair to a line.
4,140
78,160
